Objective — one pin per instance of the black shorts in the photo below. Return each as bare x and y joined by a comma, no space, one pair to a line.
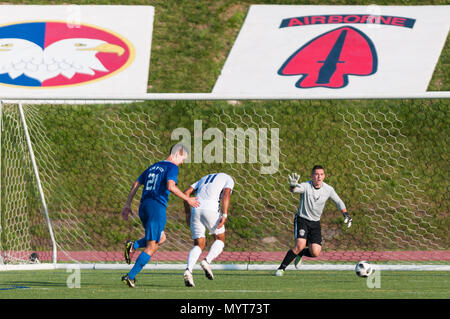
309,230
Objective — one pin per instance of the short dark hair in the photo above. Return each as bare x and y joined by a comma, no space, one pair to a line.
317,167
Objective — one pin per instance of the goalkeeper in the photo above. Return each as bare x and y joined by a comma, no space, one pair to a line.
308,237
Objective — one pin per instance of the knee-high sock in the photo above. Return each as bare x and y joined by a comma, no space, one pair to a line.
141,243
141,261
306,252
215,250
193,256
290,256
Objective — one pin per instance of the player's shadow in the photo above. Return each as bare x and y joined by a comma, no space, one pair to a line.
36,284
250,273
198,272
173,274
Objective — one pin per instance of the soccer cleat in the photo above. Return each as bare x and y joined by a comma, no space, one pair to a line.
130,282
188,279
127,252
298,261
279,272
207,268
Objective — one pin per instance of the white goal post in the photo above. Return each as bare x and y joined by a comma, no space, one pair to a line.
27,166
38,182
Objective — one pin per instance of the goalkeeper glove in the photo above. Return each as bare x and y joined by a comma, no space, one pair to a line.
347,220
293,179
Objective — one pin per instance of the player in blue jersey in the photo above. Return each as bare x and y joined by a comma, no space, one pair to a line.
159,181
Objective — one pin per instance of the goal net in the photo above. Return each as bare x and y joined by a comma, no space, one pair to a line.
76,162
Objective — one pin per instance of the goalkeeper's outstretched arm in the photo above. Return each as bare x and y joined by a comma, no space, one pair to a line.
297,189
294,186
341,206
347,219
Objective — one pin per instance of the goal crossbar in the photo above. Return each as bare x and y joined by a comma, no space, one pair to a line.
8,98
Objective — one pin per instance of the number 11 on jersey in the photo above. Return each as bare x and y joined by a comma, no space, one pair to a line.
210,178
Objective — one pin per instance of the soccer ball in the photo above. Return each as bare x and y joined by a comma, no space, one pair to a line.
363,269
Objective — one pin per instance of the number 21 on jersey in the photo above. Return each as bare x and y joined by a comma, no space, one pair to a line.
152,180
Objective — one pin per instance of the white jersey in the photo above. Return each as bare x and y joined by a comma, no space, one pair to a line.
209,190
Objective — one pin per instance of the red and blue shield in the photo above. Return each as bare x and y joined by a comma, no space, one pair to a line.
53,54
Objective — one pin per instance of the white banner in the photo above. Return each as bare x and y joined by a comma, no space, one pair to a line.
70,49
313,51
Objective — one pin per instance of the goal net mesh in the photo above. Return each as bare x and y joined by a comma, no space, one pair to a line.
386,160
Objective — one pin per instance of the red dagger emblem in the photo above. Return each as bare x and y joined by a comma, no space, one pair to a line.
327,60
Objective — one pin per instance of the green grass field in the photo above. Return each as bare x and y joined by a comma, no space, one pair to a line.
169,284
190,43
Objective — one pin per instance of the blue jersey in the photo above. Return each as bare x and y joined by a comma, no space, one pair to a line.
155,180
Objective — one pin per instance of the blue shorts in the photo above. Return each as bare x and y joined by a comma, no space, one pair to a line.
153,218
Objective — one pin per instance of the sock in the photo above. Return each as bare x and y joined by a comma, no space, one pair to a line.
142,260
305,252
193,256
290,256
215,250
141,243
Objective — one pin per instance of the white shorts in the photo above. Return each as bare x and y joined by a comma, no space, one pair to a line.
202,219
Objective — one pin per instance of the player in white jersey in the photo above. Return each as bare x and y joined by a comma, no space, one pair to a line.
210,191
308,237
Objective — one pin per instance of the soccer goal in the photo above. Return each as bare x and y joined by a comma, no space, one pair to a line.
67,167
